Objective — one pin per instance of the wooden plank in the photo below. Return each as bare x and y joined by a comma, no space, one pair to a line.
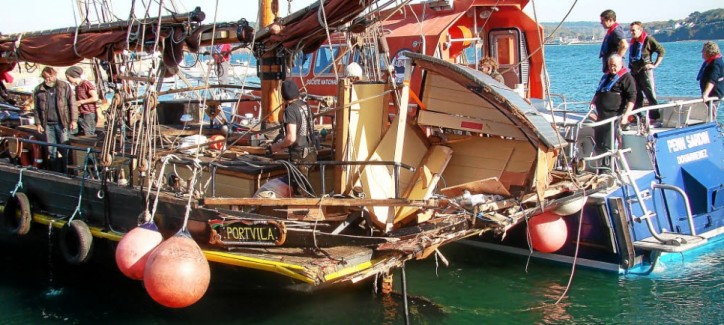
378,181
367,125
341,133
426,178
484,186
469,124
301,202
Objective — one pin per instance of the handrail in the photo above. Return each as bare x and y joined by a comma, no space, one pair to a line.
681,192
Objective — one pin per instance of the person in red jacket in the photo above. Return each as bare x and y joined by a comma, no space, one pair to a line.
86,97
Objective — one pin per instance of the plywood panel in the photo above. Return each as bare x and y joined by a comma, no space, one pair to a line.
483,157
469,124
378,181
425,179
366,126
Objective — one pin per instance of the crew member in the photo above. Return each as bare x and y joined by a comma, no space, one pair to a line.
56,111
489,66
642,66
6,77
615,95
222,58
86,97
615,41
711,74
298,129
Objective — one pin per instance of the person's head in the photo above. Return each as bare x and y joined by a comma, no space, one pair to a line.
608,18
615,63
353,71
709,50
49,75
488,65
74,75
637,28
290,91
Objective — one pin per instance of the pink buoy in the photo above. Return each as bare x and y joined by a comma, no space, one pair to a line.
548,232
177,273
135,247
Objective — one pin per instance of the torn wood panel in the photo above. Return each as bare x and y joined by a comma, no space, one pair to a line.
425,179
378,181
490,186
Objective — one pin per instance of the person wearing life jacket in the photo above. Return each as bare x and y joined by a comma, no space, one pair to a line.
615,40
642,66
86,97
711,73
222,57
298,129
615,95
56,111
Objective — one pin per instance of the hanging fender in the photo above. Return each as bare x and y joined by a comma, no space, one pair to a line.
75,242
16,214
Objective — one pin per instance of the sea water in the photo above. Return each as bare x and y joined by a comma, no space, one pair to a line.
478,287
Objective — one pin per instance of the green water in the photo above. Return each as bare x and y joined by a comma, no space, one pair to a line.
478,287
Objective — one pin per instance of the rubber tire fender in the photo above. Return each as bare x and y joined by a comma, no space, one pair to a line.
16,214
76,241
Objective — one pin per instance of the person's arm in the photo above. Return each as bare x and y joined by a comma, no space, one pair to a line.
717,72
38,113
289,138
629,87
92,99
622,47
659,50
73,109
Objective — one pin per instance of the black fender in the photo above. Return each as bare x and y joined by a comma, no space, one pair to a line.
76,242
17,216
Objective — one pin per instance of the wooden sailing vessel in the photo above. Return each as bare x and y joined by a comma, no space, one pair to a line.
381,199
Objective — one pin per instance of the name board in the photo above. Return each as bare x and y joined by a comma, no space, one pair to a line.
688,142
228,233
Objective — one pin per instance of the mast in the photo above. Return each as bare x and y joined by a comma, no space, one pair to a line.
270,97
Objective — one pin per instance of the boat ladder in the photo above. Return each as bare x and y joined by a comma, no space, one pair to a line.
665,241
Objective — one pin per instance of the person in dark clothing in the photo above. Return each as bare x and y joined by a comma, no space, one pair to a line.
615,96
86,97
5,77
711,73
615,41
298,129
56,111
642,66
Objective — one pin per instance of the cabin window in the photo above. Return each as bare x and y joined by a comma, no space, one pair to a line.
508,46
325,58
301,65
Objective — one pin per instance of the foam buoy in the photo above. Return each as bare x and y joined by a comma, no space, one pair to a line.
548,232
135,247
177,273
216,145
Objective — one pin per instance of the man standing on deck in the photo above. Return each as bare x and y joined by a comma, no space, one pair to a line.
711,73
615,41
56,111
222,58
298,129
643,46
615,95
86,97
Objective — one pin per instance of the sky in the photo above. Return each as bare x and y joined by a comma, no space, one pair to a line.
36,15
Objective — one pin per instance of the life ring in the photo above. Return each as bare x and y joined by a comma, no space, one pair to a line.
16,214
75,242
